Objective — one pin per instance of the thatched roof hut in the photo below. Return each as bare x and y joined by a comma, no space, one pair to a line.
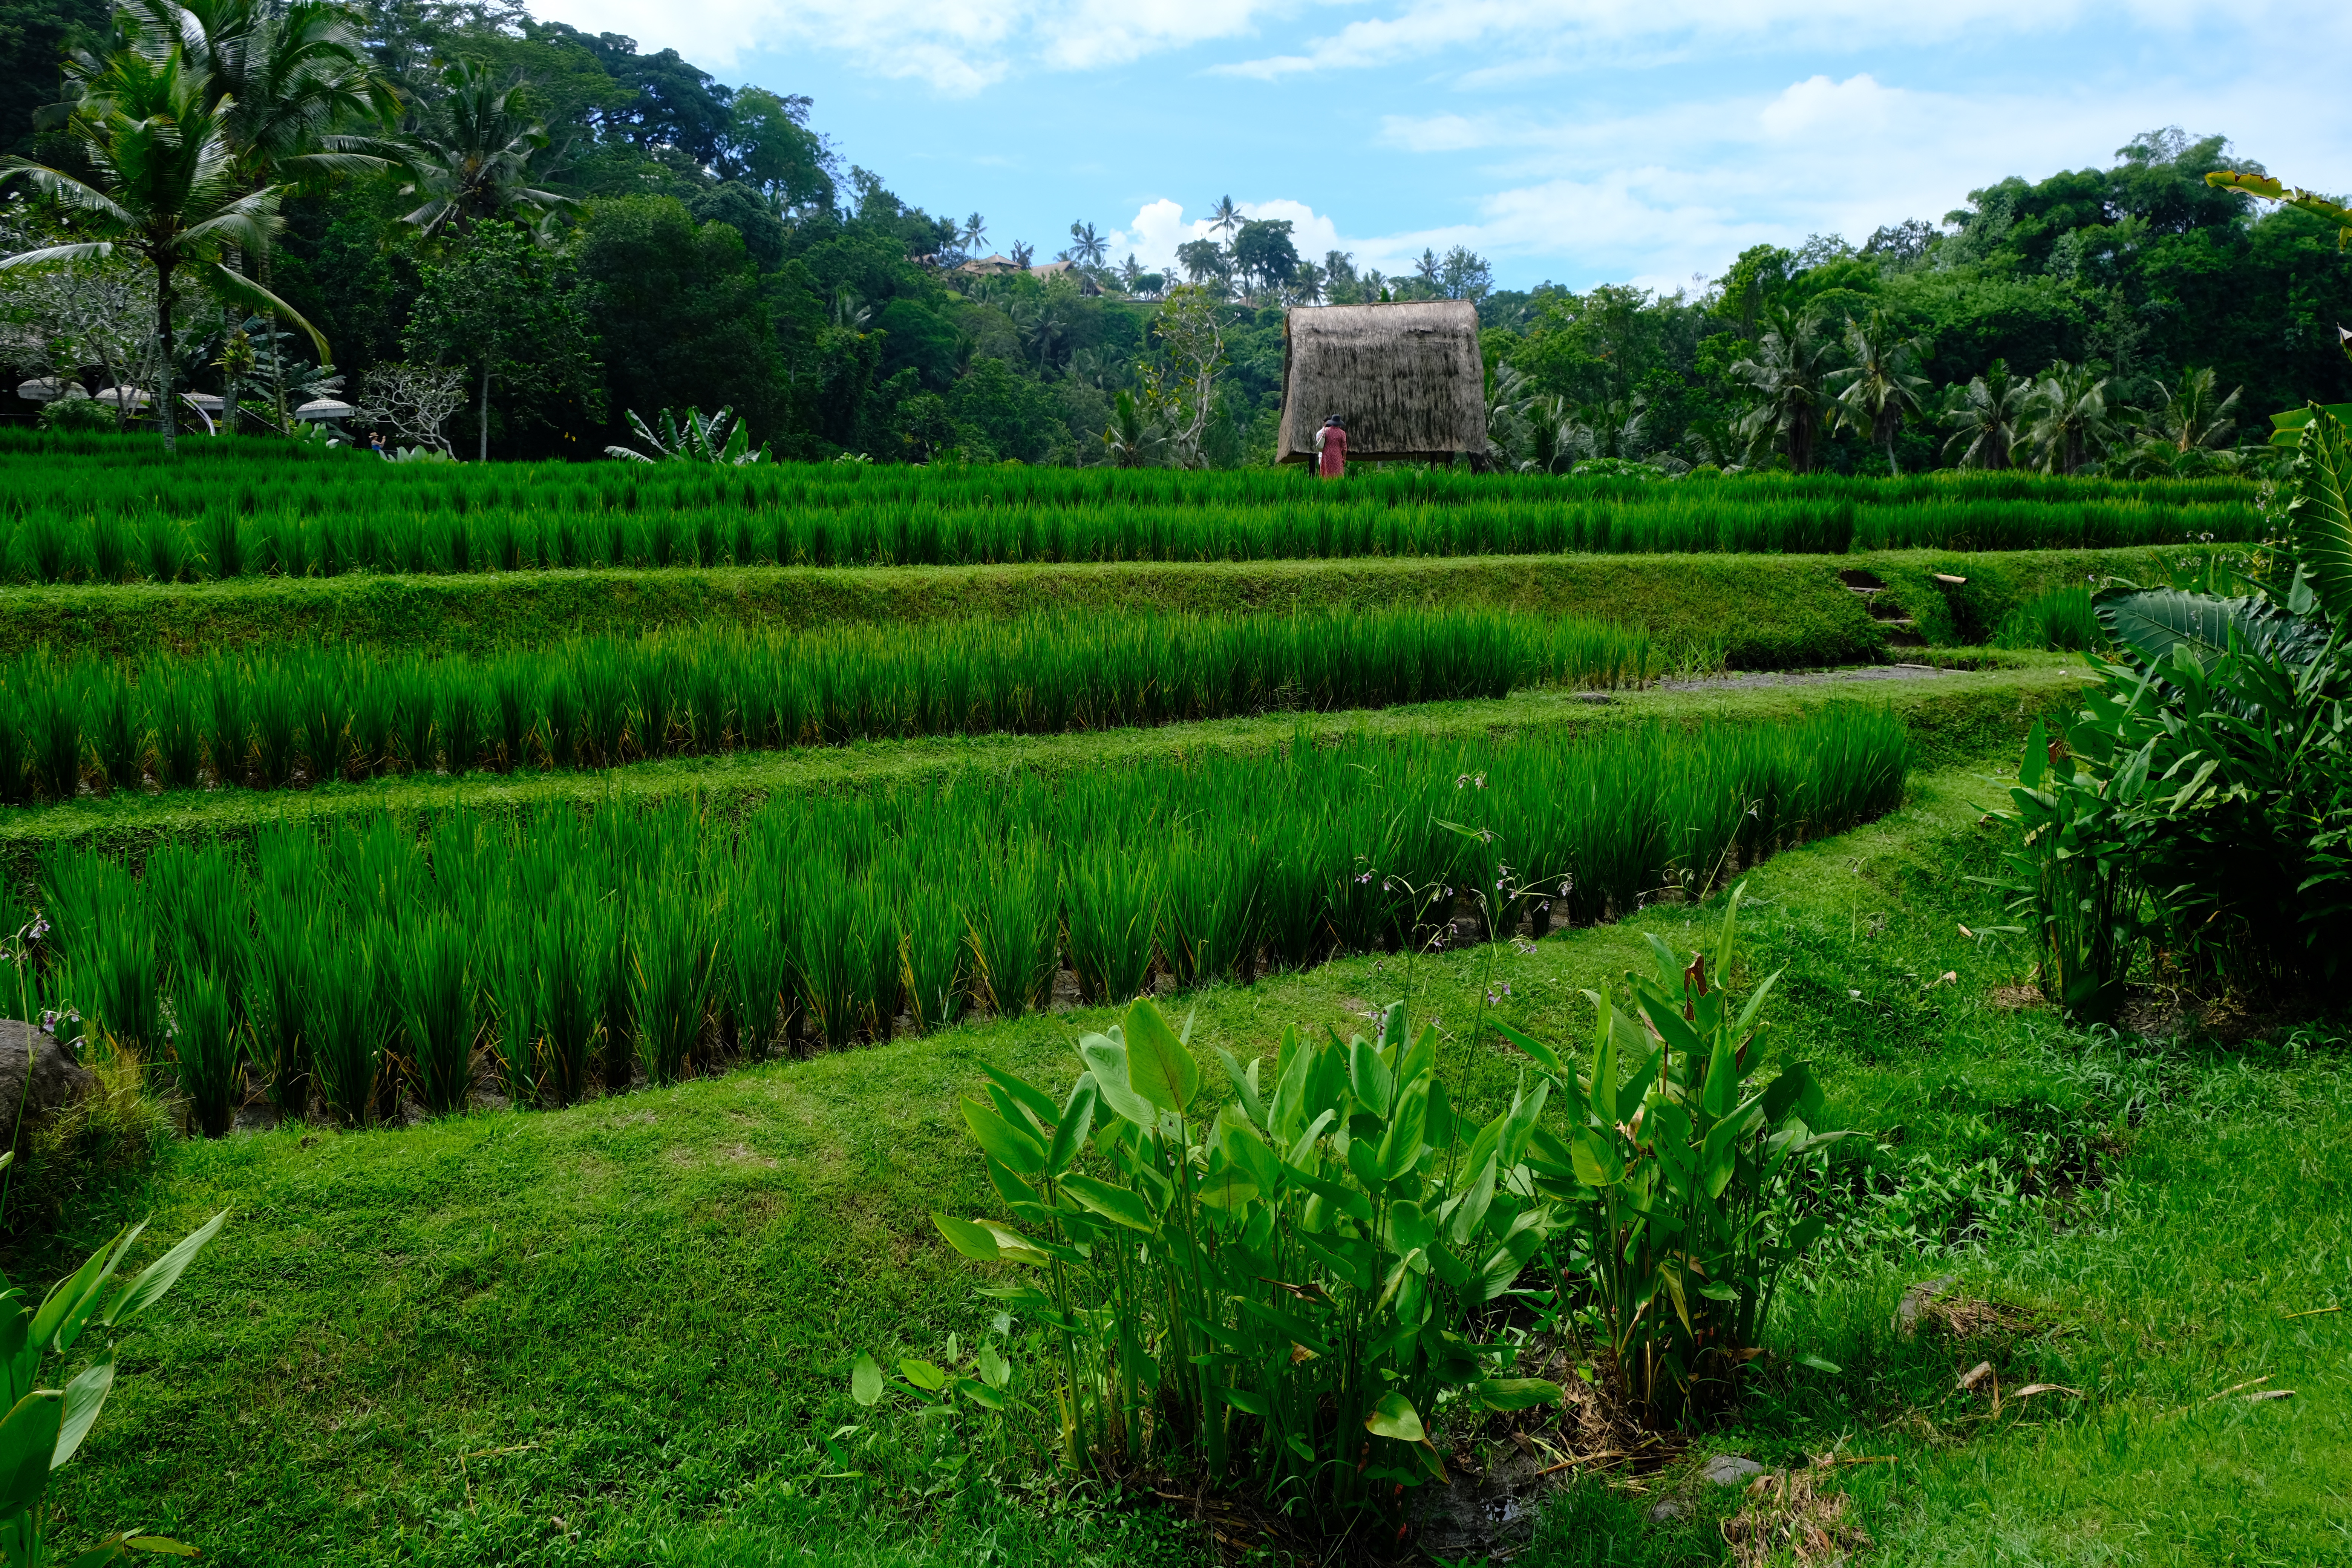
1405,379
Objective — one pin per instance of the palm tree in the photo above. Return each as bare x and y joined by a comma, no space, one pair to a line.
1022,251
2189,417
2070,421
164,185
1087,244
1877,389
473,157
1225,218
975,230
1133,439
1131,273
1788,371
1984,417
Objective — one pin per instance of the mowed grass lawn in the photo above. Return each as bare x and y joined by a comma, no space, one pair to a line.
614,1335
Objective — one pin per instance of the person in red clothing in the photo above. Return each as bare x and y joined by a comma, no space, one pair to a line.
1332,442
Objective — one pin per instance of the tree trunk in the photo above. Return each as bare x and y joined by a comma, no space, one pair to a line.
484,455
277,363
164,334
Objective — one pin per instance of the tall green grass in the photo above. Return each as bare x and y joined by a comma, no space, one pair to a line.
71,511
319,715
567,947
2061,619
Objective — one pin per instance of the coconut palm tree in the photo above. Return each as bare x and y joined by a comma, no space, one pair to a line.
1022,254
1134,439
1225,218
1984,417
1087,247
1789,374
473,156
2189,416
975,230
1876,389
2071,423
162,185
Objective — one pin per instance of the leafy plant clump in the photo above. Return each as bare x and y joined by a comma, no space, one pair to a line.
1294,1293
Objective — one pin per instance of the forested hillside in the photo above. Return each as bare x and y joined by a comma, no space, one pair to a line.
654,239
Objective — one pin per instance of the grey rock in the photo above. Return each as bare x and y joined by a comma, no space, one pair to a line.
58,1080
1669,1510
1909,1311
1730,1470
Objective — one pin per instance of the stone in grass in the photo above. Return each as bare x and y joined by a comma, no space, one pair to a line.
1730,1470
58,1080
1666,1512
1912,1307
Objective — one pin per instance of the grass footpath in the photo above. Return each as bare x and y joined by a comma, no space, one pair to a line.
1950,714
610,1334
1757,611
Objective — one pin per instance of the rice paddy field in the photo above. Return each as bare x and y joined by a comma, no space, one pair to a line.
555,911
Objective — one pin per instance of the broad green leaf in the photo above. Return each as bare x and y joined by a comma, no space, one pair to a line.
1012,1246
974,1241
1470,1212
1244,1084
28,1436
980,1393
1417,1062
1722,1089
865,1380
1106,1059
1120,1206
85,1396
163,1274
1257,1404
1784,1092
81,1290
1818,1364
1515,1392
1394,1416
1402,1144
2035,763
1226,1189
923,1375
1027,1095
1597,1162
1635,1090
1159,1067
1544,1056
1076,1120
1244,1148
162,1543
1408,1229
2319,516
1369,1077
999,1140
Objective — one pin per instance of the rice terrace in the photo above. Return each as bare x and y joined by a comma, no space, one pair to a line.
694,871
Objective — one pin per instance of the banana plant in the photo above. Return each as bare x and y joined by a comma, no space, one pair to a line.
45,1427
701,438
1295,1286
1682,1173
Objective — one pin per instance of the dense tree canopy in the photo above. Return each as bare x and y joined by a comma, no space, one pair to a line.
716,251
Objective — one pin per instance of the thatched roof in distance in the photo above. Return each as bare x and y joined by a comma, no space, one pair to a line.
1405,379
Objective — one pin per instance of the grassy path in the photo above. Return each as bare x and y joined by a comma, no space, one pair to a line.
608,1334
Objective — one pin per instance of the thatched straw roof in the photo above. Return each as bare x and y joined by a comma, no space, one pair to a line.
1405,379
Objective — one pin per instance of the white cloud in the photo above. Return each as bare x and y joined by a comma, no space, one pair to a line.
1159,227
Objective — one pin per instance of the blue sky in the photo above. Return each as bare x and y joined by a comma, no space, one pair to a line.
1575,141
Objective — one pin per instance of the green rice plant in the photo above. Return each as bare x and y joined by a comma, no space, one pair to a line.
615,950
605,712
322,724
106,931
175,725
109,548
54,710
1111,902
464,734
116,738
877,941
415,732
514,703
223,544
16,751
374,701
275,702
278,998
759,959
939,975
1014,922
49,540
1208,918
561,723
347,1025
830,969
163,549
207,1049
439,992
516,992
2060,620
671,992
229,743
569,1007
